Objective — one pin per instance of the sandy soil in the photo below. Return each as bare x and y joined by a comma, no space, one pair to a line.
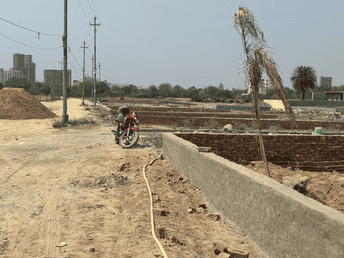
73,193
325,187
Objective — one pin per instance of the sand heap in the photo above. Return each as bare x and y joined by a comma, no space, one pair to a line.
16,103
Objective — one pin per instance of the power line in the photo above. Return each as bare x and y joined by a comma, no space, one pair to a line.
74,57
90,43
91,7
95,10
89,49
28,45
73,69
39,33
88,14
84,11
87,33
114,79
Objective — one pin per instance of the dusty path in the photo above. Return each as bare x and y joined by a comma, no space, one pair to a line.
74,193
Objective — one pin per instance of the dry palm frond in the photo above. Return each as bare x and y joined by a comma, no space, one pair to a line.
270,67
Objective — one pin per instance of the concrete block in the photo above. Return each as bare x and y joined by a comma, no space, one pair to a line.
237,253
159,212
219,248
224,255
204,149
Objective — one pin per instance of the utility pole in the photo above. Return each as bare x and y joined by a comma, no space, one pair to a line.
92,77
95,58
83,77
99,70
61,62
64,39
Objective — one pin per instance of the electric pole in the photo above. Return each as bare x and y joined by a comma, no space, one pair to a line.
83,77
99,70
92,77
61,64
95,58
64,39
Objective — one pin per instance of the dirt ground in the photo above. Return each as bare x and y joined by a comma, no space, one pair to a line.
73,193
325,187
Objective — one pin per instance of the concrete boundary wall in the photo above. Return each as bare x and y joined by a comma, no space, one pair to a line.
283,222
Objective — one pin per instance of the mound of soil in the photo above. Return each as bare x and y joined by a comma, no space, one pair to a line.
16,104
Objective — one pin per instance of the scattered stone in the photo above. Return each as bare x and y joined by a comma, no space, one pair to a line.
159,212
190,210
202,205
92,249
124,166
199,210
62,244
297,183
214,216
161,233
176,241
224,255
219,248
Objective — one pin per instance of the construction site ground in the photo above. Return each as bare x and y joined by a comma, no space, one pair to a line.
72,192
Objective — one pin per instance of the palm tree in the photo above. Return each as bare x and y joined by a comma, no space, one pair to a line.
258,60
304,77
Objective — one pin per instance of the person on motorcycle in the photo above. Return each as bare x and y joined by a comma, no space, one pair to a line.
123,118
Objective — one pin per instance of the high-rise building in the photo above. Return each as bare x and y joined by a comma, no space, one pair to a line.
55,77
326,82
24,64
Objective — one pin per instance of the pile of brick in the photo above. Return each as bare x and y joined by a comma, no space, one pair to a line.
16,104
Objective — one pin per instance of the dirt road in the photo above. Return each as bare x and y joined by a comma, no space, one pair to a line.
74,193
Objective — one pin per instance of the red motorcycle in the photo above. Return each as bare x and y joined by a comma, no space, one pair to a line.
128,137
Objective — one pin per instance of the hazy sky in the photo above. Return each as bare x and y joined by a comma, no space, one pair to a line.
184,42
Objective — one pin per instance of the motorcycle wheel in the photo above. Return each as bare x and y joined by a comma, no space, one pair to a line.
128,142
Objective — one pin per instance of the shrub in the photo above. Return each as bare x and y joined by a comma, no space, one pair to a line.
275,128
212,124
241,127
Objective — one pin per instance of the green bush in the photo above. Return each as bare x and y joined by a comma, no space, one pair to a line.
241,127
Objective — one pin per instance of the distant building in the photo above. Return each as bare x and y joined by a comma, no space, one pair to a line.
2,76
55,77
24,64
326,82
334,95
12,73
263,86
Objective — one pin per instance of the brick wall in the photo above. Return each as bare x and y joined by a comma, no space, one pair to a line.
311,153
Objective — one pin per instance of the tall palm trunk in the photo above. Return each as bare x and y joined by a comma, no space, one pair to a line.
254,80
255,77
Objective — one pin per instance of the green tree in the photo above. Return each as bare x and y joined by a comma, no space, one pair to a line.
35,88
258,60
1,85
165,89
178,91
18,83
303,77
190,91
153,91
221,87
45,90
